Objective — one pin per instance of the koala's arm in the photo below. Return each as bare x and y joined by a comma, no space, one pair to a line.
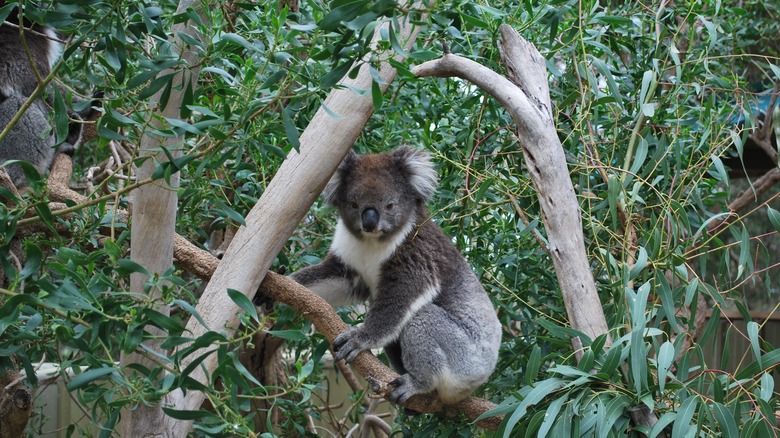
396,303
333,281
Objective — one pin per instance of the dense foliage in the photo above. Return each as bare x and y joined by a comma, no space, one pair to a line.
650,98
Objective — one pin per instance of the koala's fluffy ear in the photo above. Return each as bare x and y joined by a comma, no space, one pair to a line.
419,169
332,189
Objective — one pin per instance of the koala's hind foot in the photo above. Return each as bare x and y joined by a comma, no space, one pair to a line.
404,387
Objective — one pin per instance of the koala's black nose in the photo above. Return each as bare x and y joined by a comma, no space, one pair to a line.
370,218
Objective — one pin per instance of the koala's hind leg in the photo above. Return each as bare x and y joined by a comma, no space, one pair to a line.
438,355
30,139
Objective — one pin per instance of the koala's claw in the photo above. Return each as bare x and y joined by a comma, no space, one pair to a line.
347,346
404,389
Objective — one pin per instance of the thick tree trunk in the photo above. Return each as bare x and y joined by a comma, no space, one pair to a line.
288,197
154,217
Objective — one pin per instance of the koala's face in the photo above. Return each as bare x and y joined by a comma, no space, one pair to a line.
375,197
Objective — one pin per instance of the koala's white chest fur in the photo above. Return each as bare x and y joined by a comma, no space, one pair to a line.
366,256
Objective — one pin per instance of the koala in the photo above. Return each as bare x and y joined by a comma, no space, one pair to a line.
32,138
427,307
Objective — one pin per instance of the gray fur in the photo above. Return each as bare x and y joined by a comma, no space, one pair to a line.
33,138
428,309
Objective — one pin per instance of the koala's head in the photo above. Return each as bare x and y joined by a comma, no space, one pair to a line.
378,194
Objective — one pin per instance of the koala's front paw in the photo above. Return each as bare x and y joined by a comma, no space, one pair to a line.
348,345
404,389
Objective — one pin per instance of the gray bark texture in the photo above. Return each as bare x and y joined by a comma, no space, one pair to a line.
526,97
153,208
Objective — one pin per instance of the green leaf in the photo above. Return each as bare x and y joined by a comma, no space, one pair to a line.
335,75
346,12
752,329
745,263
288,335
156,85
639,265
243,302
33,262
237,40
611,84
612,359
89,376
188,98
664,292
640,156
376,95
720,170
665,358
552,414
533,366
397,45
61,121
665,420
614,409
186,415
682,424
192,311
290,129
711,30
242,369
774,217
273,79
542,390
649,81
125,267
162,321
725,419
767,387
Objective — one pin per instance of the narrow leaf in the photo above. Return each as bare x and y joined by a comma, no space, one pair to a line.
88,376
682,423
767,387
551,415
611,84
243,302
752,329
376,96
290,129
534,364
542,389
726,420
774,218
665,358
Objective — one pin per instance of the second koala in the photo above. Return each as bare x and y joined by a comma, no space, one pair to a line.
32,138
428,309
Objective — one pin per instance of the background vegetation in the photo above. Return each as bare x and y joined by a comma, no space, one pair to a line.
651,98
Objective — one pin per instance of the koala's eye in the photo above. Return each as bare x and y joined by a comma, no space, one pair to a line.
389,206
354,205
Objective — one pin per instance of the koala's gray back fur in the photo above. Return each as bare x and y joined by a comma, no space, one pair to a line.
428,309
32,138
